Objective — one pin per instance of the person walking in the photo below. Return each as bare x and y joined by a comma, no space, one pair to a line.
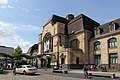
14,69
85,71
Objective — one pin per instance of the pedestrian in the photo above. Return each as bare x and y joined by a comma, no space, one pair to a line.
85,71
14,69
60,66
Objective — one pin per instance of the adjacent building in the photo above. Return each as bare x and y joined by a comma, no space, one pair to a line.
75,41
6,56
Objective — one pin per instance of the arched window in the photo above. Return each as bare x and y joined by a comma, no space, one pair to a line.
97,45
47,42
74,44
112,42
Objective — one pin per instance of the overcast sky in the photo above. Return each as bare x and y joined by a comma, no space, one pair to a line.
21,20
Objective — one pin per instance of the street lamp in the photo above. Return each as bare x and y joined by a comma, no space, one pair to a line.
58,51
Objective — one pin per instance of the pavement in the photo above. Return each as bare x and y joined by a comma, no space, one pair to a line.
49,75
117,74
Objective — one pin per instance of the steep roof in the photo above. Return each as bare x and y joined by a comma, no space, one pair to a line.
105,27
81,22
55,19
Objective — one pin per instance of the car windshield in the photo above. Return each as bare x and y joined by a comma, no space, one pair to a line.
28,66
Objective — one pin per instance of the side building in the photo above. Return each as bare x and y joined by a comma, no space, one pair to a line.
6,56
105,45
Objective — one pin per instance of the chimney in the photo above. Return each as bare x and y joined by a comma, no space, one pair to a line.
70,17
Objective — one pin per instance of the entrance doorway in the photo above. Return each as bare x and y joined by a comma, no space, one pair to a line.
49,61
62,60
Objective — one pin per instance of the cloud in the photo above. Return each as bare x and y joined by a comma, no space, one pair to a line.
8,37
9,6
3,1
5,4
30,10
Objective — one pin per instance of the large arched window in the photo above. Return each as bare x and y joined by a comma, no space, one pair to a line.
74,44
97,45
47,42
112,42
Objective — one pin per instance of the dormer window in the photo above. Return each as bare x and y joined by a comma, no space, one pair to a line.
112,27
97,31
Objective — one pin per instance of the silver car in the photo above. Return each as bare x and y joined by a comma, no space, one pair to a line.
26,69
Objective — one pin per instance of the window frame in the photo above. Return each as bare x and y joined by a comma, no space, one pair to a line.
97,31
74,44
97,45
112,27
97,59
113,58
112,43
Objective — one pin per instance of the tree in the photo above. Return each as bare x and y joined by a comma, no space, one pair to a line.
16,54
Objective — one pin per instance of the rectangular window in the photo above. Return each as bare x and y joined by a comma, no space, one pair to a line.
113,58
97,59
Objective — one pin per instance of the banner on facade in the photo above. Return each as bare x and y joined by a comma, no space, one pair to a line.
55,42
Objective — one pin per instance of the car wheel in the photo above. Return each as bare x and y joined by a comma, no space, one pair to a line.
24,73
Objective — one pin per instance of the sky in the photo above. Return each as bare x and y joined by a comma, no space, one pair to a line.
21,21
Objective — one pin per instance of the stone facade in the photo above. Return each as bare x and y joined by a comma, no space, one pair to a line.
71,42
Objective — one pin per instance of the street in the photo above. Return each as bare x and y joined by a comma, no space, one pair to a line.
48,75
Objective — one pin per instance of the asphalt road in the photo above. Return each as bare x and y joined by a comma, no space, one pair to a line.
48,75
75,75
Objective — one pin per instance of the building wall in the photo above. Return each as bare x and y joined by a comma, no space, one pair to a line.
70,55
104,50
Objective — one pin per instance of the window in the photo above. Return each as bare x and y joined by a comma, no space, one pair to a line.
97,45
97,31
113,58
112,26
97,59
112,42
77,60
74,44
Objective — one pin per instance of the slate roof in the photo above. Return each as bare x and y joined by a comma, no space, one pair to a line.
81,22
105,27
55,19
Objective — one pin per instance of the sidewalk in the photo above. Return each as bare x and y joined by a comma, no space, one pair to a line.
117,74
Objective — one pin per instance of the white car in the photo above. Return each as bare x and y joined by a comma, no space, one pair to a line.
26,69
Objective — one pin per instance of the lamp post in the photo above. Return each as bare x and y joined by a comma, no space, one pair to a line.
58,52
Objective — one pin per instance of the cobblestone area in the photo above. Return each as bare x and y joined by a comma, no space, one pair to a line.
9,76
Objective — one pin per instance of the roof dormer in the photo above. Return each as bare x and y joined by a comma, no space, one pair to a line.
113,26
97,31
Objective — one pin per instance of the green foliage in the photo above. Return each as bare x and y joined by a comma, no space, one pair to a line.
16,55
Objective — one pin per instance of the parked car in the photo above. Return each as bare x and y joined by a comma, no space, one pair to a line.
26,69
